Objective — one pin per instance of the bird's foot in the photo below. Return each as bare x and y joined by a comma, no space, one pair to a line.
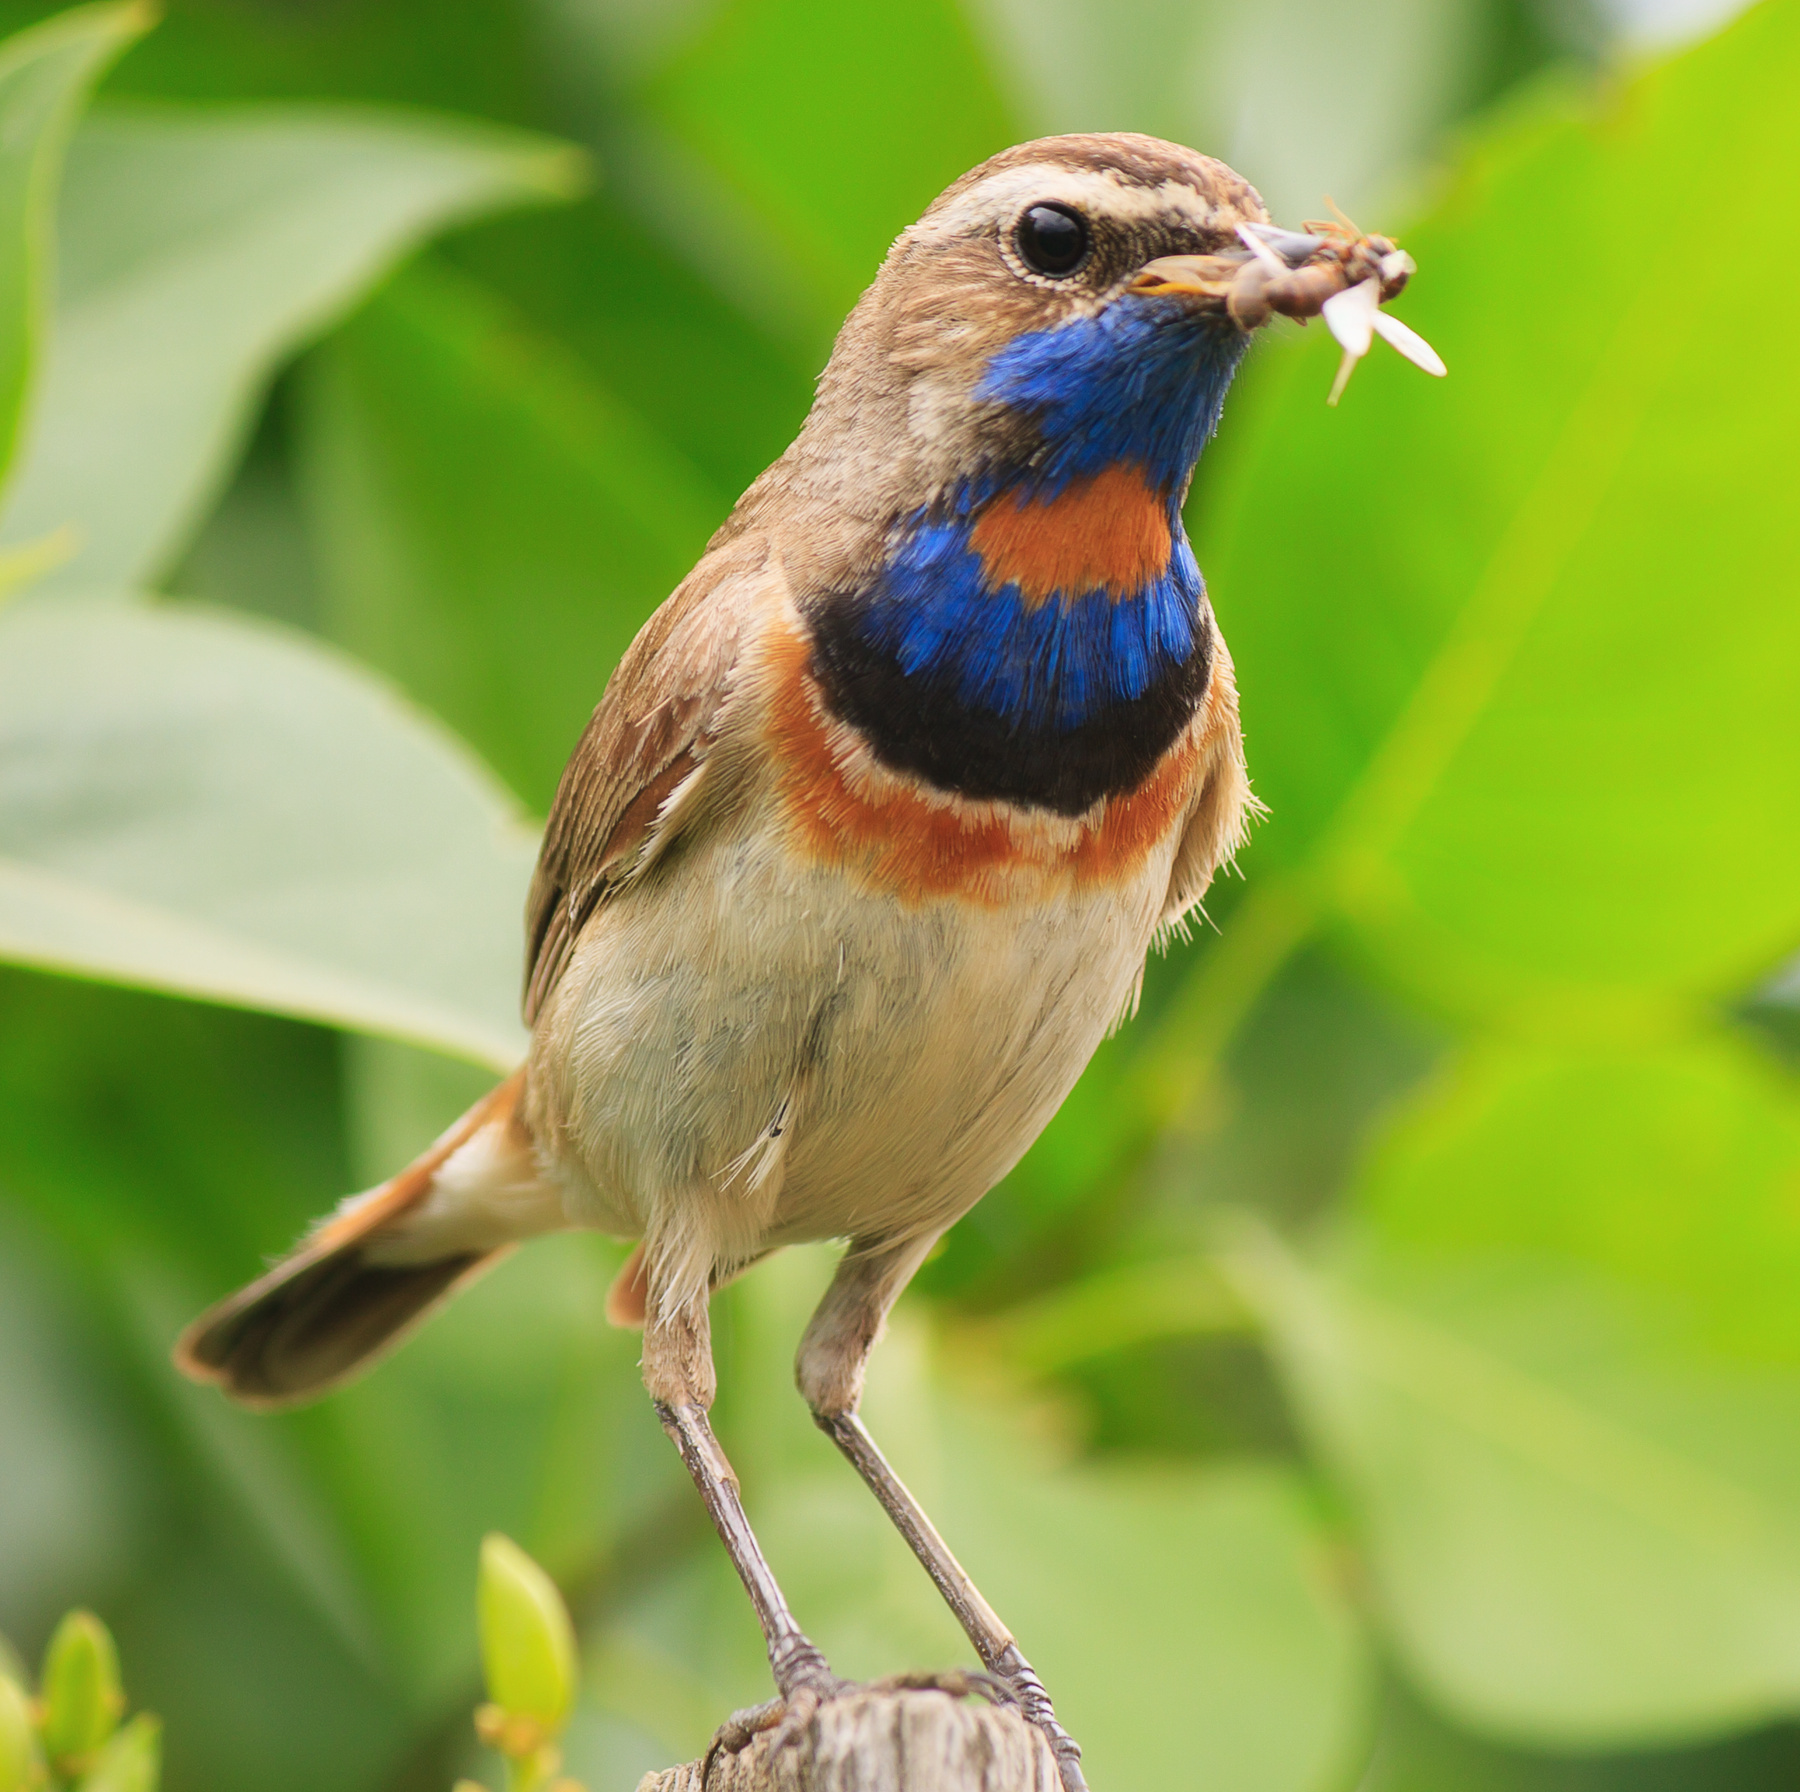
804,1681
1023,1688
740,1729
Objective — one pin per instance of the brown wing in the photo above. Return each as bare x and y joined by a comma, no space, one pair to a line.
650,734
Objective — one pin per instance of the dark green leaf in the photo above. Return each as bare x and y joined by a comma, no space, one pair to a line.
832,127
491,525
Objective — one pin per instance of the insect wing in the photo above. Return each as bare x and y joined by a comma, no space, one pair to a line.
1261,250
1351,316
1410,343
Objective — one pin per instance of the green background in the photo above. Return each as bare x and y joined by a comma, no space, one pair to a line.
1385,1373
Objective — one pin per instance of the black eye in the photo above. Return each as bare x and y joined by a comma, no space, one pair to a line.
1052,239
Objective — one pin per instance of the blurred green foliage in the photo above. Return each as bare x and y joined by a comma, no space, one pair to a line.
529,1659
1384,1372
70,1737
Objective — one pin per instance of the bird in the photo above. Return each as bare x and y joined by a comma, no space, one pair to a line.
865,846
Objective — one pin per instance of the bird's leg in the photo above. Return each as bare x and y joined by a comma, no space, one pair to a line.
678,1371
833,1355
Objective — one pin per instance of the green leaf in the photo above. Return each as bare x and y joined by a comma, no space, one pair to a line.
45,75
491,526
658,335
527,1642
165,1149
1186,1621
18,1739
1557,1367
527,1361
1228,77
200,803
1539,657
131,1761
73,1499
831,127
199,247
83,1699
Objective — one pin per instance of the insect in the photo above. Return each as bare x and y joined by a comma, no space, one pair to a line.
1328,269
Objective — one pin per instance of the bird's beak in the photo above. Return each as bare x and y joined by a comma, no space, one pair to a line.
1209,276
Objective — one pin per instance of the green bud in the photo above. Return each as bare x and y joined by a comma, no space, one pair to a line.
18,1742
82,1698
130,1762
527,1642
12,1663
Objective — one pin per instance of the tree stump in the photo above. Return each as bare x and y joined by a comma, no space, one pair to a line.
885,1742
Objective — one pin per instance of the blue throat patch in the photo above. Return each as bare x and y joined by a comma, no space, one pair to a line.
1143,382
967,661
1047,666
1140,385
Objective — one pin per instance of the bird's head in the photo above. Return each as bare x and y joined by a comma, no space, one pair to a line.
984,507
1050,315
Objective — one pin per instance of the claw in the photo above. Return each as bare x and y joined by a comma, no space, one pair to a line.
739,1730
1026,1690
802,1707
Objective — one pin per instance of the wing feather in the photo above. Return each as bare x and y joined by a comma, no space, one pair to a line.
650,736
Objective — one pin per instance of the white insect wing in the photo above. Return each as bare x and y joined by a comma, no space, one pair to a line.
1411,344
1351,315
1260,249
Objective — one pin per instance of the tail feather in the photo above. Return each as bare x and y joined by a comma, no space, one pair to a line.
329,1310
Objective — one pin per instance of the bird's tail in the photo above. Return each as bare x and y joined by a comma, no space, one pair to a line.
362,1279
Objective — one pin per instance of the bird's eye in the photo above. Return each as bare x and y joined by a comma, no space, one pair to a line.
1052,239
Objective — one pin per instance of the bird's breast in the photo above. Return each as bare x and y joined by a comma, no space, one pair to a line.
897,834
1043,646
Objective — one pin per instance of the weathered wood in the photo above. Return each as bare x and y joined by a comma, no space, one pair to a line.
886,1742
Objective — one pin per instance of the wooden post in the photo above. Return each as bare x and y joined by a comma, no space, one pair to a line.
886,1742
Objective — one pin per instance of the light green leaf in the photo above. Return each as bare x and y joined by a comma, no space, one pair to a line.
198,247
527,1641
1528,721
83,1699
526,1359
131,1761
1252,80
1558,1369
18,1745
204,804
45,75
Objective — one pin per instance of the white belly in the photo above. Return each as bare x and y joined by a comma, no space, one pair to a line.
753,1050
